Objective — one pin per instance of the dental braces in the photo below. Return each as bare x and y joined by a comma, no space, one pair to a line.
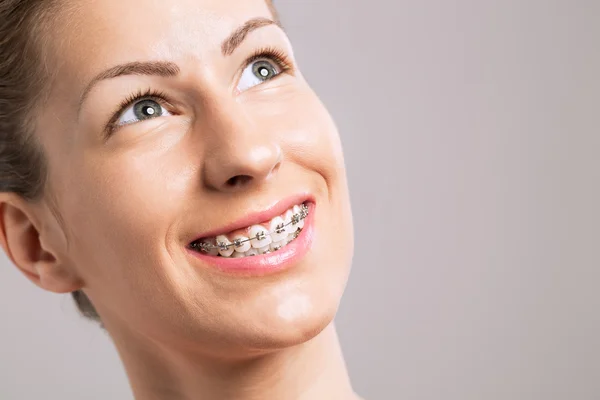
279,228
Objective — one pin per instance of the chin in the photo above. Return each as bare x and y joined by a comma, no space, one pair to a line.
269,322
294,320
295,310
283,332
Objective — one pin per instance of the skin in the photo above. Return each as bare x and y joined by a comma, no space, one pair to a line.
120,210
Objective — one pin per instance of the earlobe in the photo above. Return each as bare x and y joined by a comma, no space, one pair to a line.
20,238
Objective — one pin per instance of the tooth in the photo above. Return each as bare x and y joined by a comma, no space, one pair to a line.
213,251
287,219
264,238
288,238
276,237
244,247
224,252
277,245
263,250
300,224
252,252
237,254
293,236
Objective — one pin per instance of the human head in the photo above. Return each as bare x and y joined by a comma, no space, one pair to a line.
105,218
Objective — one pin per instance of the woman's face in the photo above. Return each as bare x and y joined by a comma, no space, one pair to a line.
213,140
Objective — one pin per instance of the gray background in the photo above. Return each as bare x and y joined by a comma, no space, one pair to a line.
472,137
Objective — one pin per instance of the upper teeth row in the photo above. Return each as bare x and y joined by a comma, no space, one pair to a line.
260,235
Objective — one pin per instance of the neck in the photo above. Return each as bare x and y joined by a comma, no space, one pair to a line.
312,370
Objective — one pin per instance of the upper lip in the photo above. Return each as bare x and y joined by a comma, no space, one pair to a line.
277,208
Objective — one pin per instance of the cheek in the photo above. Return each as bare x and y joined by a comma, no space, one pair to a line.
122,207
126,229
310,137
311,140
316,145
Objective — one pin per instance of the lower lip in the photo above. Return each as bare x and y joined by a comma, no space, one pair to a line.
264,264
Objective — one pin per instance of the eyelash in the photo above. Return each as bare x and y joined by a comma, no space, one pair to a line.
271,52
279,56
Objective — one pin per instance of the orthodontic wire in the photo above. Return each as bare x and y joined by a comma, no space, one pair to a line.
259,236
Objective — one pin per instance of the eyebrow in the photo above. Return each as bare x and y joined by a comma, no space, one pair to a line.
168,68
238,36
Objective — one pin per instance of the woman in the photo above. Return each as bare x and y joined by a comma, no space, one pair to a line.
167,163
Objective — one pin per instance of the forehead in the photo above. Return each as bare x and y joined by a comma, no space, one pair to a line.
97,34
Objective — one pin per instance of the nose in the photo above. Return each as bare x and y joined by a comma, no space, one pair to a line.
238,154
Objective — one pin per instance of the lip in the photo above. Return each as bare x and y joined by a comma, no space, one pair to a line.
271,212
269,263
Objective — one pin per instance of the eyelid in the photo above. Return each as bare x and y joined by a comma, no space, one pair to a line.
149,94
278,55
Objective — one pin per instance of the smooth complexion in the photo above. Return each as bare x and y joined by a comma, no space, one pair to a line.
124,203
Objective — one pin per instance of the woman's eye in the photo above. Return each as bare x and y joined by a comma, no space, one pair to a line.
256,73
141,110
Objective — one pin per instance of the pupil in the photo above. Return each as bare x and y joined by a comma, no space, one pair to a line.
263,70
146,109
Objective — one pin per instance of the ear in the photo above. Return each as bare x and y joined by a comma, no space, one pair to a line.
28,242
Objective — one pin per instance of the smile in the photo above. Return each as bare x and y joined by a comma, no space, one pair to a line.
257,239
252,248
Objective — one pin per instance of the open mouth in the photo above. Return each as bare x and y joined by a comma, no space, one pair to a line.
263,238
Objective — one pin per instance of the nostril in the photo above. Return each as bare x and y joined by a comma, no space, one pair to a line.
238,180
